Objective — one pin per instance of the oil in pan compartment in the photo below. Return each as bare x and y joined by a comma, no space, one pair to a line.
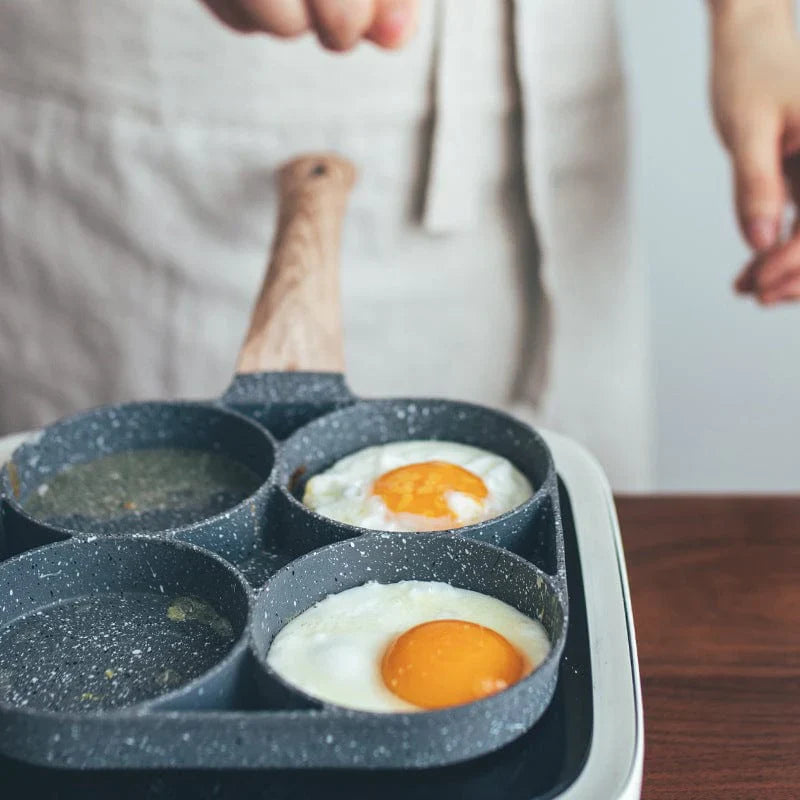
138,468
145,489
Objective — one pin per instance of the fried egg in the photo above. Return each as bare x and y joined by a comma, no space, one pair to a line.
407,646
417,486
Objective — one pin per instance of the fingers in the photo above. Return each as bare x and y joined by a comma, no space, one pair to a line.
777,263
341,24
791,172
231,14
745,281
787,289
394,22
773,275
760,192
285,18
281,17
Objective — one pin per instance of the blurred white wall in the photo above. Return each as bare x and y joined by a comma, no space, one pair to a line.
727,371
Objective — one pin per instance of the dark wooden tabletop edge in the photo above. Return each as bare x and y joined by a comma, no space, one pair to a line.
711,496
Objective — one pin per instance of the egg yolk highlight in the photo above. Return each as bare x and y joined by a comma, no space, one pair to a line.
422,488
450,662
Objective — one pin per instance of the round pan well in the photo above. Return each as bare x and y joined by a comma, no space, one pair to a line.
119,622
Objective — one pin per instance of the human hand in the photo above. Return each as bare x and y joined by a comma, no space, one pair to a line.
756,102
339,24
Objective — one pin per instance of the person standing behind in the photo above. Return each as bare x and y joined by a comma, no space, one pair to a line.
487,250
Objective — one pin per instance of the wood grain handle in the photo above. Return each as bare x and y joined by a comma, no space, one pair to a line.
297,320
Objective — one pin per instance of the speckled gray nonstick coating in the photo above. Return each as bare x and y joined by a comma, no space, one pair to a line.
327,736
259,535
91,626
452,734
526,529
284,401
111,430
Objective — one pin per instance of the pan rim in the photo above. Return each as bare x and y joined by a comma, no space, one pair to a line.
539,493
320,705
151,704
7,494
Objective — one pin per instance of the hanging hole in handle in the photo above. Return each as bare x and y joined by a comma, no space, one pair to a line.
318,169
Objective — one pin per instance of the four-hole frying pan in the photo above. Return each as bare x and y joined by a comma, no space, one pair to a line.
94,497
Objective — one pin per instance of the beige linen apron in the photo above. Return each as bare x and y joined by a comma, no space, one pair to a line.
137,144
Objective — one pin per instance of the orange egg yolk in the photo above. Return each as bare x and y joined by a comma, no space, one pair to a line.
422,488
450,662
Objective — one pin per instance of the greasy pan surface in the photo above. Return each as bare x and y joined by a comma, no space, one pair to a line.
236,452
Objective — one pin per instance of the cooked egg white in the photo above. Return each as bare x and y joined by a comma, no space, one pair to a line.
336,650
417,486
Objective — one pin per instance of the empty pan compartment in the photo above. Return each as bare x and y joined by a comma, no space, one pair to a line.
90,626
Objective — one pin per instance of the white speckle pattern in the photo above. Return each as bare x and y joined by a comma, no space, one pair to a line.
261,536
83,642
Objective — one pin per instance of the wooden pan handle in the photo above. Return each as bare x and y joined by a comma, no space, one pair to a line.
297,320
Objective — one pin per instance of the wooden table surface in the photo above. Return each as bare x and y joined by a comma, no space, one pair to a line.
715,585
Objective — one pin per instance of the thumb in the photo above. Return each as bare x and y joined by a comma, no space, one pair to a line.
760,192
